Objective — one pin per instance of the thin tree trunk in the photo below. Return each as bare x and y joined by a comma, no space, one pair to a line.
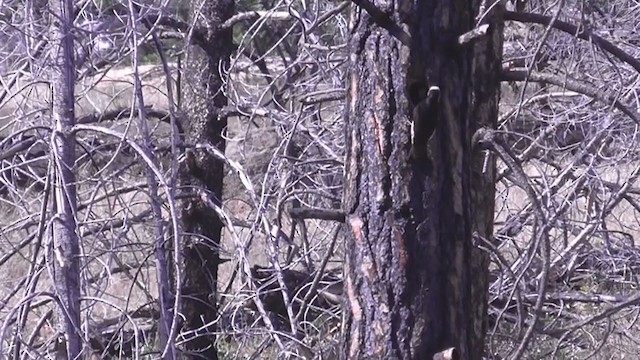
203,100
165,303
65,240
414,283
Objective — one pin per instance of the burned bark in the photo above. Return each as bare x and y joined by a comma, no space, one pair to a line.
414,283
205,124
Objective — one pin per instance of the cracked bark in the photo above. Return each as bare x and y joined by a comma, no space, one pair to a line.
414,283
204,124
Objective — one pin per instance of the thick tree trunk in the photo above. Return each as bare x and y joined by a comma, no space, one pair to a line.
414,282
203,100
65,240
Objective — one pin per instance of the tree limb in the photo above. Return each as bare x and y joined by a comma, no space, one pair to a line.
316,213
125,112
573,85
578,31
383,20
254,15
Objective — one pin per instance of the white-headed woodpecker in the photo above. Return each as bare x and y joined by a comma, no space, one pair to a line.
424,122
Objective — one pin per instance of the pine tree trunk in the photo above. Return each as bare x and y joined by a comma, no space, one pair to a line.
203,101
414,282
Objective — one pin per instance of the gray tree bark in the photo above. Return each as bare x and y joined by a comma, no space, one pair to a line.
66,249
165,298
415,284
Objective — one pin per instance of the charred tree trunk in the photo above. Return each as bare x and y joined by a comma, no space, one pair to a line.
414,282
66,248
204,125
483,113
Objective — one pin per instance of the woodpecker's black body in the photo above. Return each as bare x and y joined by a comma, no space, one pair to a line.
424,121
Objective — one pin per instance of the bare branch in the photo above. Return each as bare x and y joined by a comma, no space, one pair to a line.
383,20
573,85
315,213
580,32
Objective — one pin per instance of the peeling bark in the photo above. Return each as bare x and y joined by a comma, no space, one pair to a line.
66,269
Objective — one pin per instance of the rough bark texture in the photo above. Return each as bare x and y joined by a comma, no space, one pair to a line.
483,113
203,101
414,282
65,240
